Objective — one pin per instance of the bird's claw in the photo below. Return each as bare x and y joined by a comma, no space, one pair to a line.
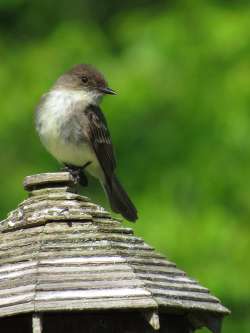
77,174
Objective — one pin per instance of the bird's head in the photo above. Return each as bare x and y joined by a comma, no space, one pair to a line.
86,78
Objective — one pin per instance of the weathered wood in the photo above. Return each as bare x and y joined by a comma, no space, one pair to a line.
182,304
17,299
88,284
149,277
16,309
36,181
95,304
37,324
176,286
153,319
184,294
60,252
17,290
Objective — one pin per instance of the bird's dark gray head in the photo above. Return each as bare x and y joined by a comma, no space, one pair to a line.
84,77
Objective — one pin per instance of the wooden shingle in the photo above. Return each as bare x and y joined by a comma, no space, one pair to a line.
61,252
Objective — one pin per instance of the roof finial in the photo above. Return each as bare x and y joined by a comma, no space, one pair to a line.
48,180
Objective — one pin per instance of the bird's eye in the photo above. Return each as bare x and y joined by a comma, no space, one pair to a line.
84,79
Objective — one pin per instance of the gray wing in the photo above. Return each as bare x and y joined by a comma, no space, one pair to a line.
100,139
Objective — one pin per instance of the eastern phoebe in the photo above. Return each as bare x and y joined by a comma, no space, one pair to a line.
74,130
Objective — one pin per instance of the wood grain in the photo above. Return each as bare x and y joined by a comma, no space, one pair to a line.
61,252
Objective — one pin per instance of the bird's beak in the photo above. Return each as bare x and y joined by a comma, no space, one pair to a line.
107,91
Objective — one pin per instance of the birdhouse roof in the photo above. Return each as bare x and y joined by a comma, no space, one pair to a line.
59,251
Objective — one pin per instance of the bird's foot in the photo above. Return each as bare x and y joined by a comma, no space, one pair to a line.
77,173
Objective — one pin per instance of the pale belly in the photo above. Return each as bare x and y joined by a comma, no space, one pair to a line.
76,155
52,116
68,153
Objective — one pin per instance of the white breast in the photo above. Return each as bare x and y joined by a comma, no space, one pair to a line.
55,109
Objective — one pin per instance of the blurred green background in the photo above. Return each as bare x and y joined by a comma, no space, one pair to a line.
180,123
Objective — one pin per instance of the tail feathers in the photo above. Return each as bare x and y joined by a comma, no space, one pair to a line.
119,200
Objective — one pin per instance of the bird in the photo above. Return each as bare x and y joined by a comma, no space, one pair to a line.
73,128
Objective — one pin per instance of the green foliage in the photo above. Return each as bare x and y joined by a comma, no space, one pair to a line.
180,123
